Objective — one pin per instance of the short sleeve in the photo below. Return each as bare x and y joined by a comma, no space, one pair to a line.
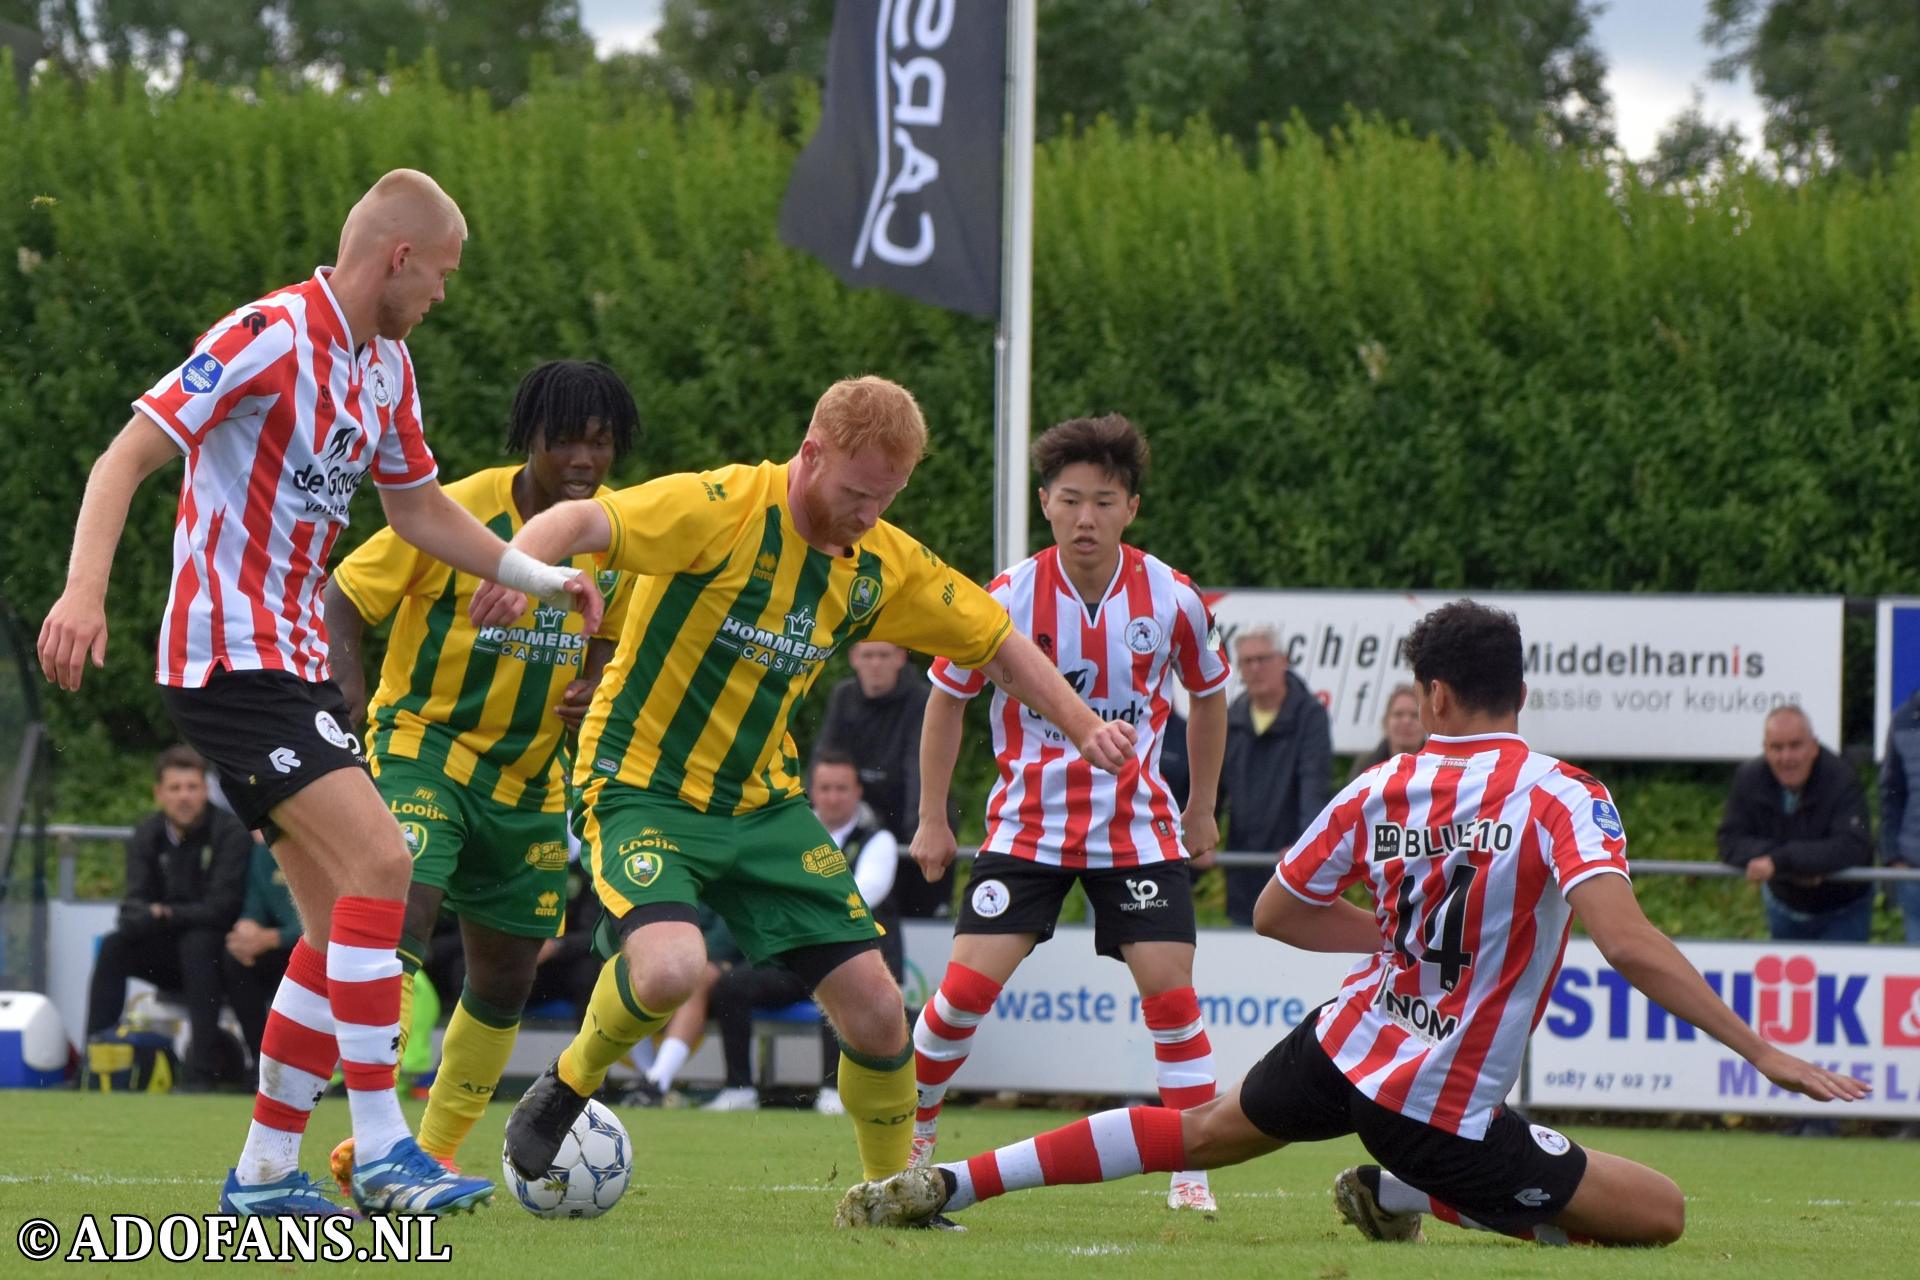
937,611
1585,836
381,571
1320,865
1198,653
677,523
962,682
403,460
249,354
614,620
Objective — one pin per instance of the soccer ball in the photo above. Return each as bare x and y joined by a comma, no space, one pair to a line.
589,1173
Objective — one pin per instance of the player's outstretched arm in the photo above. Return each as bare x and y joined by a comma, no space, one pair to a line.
1339,926
1030,679
933,843
562,530
1206,748
1646,957
76,626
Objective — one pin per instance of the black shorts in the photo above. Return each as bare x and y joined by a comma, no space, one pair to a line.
1516,1177
269,733
1151,903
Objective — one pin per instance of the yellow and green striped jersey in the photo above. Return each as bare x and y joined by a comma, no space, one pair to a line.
475,703
731,621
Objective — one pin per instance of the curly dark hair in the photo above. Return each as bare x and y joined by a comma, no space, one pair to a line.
1476,649
561,395
1111,443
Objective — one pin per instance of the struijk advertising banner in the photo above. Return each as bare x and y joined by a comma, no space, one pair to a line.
900,187
1853,1009
1609,677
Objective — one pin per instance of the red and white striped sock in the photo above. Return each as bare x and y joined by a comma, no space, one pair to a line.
1182,1054
363,986
944,1036
297,1054
1100,1148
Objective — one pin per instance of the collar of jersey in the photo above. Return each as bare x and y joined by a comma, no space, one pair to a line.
1491,739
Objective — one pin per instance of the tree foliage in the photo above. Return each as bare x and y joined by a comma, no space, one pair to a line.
1840,78
490,46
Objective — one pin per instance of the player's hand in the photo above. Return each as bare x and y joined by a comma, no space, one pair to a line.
933,849
574,702
1815,1082
1760,870
495,606
587,601
1108,747
75,630
1200,833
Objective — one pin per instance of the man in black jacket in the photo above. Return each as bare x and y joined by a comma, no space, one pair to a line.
1794,817
875,717
186,875
1279,768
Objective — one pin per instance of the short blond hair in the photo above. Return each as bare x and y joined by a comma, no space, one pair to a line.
859,414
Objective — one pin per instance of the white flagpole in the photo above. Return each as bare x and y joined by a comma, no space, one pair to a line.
1013,344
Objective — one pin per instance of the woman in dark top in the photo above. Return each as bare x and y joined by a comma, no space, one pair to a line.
1404,732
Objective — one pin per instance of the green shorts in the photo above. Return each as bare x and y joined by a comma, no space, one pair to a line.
500,867
774,874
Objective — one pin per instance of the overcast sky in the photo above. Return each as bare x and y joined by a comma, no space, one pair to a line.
1655,60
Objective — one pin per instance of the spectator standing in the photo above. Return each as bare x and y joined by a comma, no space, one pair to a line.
875,716
186,872
259,945
1400,727
1900,821
1279,766
1794,817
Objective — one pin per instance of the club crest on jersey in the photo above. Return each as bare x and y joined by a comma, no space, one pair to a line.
382,393
1144,635
990,898
862,597
201,375
416,837
1607,818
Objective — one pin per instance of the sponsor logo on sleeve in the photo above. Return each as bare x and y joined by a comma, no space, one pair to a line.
1607,818
201,375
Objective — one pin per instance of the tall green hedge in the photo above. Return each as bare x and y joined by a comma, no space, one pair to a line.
1363,360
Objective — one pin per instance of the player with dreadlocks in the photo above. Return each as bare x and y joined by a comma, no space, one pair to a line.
467,731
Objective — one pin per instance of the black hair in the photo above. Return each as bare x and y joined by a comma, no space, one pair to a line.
1111,443
561,395
1476,649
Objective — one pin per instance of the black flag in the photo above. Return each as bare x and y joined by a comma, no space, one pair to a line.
901,186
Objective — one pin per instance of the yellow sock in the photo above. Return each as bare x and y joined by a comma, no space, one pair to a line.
615,1023
478,1042
412,952
879,1097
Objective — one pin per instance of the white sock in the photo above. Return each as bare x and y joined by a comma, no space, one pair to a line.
268,1156
667,1061
1397,1197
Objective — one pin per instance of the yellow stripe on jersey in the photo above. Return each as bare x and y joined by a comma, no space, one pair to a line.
731,624
476,704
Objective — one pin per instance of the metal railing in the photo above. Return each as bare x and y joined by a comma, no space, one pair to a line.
66,835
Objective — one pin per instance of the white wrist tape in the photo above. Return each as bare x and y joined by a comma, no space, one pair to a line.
544,582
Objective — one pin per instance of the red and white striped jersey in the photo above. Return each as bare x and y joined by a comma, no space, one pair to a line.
1048,804
280,419
1468,847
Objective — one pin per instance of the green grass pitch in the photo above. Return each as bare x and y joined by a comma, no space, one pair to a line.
753,1195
